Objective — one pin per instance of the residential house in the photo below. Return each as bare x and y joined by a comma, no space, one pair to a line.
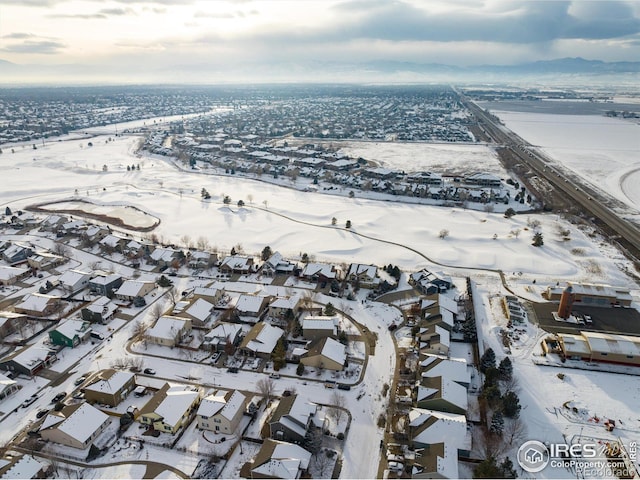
109,387
72,281
38,305
236,264
365,275
315,327
285,307
201,260
11,275
166,257
277,264
431,282
105,284
434,339
9,322
94,233
484,179
319,272
292,419
430,427
325,353
75,426
261,340
221,411
199,312
101,310
113,243
455,369
70,333
221,335
439,460
251,308
53,223
43,260
170,408
28,360
16,253
169,331
280,460
23,467
7,386
441,394
131,289
212,295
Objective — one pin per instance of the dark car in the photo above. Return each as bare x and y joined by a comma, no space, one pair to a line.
149,371
286,393
232,370
59,397
41,413
342,386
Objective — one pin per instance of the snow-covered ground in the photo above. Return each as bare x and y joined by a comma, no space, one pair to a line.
602,150
442,158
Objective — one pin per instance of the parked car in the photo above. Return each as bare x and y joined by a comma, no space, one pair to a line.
78,396
59,397
232,369
215,357
342,386
29,401
80,380
41,413
149,371
274,375
286,393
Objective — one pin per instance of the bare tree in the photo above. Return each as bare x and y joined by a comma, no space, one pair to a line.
338,403
444,233
322,464
514,432
139,329
265,387
250,198
202,243
515,232
61,249
156,311
174,295
186,241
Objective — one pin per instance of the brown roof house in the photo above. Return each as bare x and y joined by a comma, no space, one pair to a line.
325,353
292,419
110,387
76,425
280,460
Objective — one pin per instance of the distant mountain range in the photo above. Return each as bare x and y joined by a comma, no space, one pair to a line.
310,71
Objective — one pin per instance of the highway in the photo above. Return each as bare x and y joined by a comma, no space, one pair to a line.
626,234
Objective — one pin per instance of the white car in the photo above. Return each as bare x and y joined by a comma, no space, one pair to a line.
29,401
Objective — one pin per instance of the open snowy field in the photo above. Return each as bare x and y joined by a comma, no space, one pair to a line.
295,222
602,150
444,158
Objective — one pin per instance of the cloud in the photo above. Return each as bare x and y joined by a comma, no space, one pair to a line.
201,14
100,15
42,47
19,36
32,3
117,11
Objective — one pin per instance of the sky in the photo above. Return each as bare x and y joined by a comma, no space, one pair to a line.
215,37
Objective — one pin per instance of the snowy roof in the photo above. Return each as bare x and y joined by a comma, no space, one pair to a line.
263,338
73,277
111,384
200,309
575,344
30,356
285,302
334,350
167,327
35,302
482,176
430,426
237,263
25,467
453,369
111,240
207,291
615,344
164,254
103,306
359,269
5,381
595,290
249,303
72,328
320,323
224,330
83,422
281,460
448,303
440,387
227,404
178,399
312,269
7,273
105,279
131,288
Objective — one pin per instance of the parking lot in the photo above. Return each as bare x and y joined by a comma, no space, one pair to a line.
612,320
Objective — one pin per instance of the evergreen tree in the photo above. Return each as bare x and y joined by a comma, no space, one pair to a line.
348,224
300,369
510,212
538,241
266,253
7,211
488,468
488,360
278,355
507,470
329,309
506,369
511,405
491,393
497,423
